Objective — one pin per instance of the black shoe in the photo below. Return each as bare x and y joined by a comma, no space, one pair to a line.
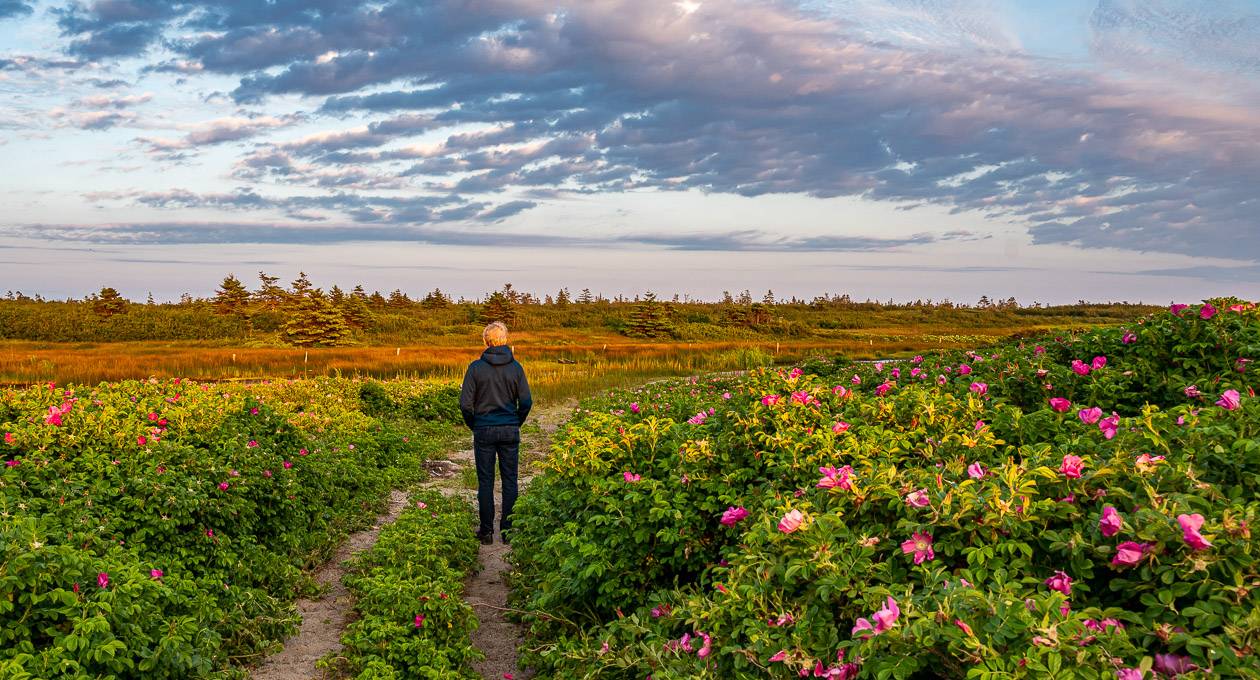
486,538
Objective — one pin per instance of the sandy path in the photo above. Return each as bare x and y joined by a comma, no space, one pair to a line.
324,618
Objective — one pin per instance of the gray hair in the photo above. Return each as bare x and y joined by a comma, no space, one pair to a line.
495,334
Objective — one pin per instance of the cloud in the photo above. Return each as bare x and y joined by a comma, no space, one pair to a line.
111,101
35,66
1212,38
200,233
914,102
105,29
754,240
1228,275
93,120
217,131
14,8
364,209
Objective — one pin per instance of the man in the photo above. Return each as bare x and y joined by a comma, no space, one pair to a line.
495,401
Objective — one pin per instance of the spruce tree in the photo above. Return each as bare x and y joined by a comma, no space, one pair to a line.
270,294
498,307
399,299
562,298
313,321
301,286
108,302
232,298
436,300
355,310
586,297
649,319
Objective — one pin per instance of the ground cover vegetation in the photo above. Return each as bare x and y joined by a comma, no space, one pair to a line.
162,528
412,622
1076,505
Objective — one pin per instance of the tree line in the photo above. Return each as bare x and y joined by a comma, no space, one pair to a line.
301,314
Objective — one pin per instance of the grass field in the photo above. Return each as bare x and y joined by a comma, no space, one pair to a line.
560,364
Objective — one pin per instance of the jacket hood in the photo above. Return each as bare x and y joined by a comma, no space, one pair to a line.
498,356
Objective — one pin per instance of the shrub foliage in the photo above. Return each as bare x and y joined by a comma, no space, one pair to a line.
995,515
160,529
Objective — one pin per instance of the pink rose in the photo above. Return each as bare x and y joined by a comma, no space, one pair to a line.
920,545
733,515
791,521
1110,522
1072,466
1190,525
1089,416
918,499
1060,582
1129,553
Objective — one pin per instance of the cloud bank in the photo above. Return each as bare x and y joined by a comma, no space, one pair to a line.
476,109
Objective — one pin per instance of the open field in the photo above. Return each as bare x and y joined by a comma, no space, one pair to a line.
598,361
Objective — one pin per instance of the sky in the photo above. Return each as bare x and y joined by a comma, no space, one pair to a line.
1050,150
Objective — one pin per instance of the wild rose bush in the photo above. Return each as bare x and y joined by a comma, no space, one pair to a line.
1190,354
159,529
412,622
825,527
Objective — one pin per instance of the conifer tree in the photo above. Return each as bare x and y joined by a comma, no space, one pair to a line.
649,319
355,310
108,302
498,307
232,298
301,285
562,297
436,300
398,299
270,295
314,321
586,297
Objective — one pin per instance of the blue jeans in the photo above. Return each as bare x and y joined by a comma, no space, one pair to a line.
502,442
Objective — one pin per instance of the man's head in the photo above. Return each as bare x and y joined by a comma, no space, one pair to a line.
495,334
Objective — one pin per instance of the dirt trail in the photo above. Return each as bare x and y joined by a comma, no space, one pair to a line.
487,590
324,618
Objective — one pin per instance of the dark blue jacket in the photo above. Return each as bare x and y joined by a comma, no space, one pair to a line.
495,391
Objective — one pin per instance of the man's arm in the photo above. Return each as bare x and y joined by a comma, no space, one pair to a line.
524,401
468,397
